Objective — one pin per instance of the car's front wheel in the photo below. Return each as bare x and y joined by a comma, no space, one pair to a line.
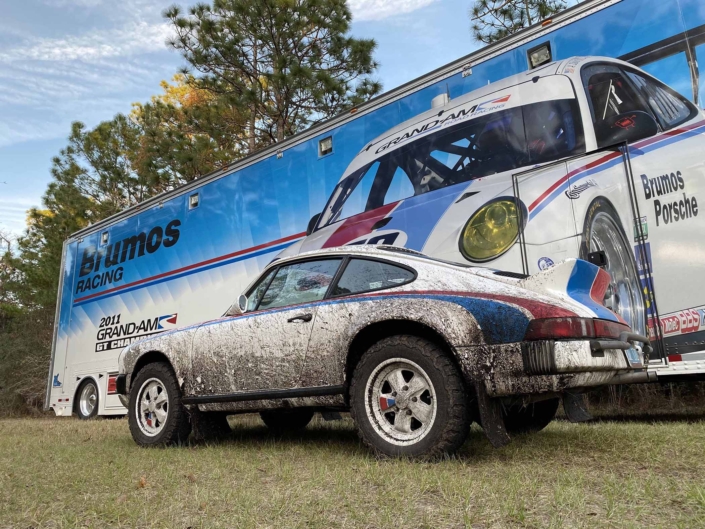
155,414
407,398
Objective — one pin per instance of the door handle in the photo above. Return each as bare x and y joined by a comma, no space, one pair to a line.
300,318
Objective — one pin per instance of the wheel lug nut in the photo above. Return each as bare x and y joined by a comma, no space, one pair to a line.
405,388
408,412
413,399
394,393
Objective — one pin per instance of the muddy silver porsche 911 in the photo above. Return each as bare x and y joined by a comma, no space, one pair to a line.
415,349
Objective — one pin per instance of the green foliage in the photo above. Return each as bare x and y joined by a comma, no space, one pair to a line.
493,20
284,64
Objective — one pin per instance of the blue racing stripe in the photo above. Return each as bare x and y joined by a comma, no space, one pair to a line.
579,286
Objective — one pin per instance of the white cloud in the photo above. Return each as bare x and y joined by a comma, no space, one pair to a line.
72,3
379,9
13,213
134,38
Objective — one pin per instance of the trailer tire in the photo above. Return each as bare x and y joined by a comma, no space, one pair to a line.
87,400
603,231
437,401
156,415
286,421
530,418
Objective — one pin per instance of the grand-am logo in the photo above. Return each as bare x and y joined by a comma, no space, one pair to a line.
113,334
574,192
390,237
452,118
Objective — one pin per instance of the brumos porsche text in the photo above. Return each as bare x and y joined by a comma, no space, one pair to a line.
669,210
114,254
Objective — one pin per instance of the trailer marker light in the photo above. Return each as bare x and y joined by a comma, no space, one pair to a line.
193,201
112,385
104,238
539,55
325,146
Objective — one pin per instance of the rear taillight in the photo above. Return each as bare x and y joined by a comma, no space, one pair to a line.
112,385
573,328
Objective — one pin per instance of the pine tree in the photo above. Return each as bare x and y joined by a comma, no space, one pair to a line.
492,20
285,64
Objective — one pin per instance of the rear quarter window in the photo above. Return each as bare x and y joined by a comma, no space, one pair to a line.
364,275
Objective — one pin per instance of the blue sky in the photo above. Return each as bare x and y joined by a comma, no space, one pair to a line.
86,60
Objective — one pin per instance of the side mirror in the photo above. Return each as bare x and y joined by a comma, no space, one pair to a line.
242,303
312,223
629,127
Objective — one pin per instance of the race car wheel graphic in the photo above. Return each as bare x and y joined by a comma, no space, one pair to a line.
408,399
87,405
533,417
286,421
604,232
156,415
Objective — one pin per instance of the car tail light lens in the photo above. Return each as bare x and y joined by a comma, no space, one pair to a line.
112,385
573,328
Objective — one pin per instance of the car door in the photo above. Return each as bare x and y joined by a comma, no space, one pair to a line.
265,347
338,320
669,176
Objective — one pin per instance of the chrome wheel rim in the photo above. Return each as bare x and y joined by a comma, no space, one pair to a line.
88,399
401,401
152,407
624,294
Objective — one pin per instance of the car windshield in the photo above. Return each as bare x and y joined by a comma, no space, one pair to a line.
475,148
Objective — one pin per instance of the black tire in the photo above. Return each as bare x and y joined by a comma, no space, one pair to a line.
447,431
210,425
623,249
286,421
530,418
176,427
84,414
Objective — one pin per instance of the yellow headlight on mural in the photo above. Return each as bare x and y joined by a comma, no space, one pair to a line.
491,230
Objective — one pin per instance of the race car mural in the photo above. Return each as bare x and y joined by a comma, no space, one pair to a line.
531,170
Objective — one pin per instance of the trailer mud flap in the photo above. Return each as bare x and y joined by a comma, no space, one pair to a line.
575,407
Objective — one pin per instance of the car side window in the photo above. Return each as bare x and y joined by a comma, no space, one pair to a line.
364,275
670,108
299,283
256,294
610,94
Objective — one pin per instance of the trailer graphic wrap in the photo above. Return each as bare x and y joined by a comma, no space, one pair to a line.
167,263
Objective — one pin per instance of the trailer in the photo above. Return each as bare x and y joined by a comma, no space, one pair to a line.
184,256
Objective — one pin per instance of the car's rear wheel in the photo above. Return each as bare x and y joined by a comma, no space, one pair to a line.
527,418
407,398
286,421
603,232
87,404
156,415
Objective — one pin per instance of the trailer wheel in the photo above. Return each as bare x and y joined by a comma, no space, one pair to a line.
87,403
156,415
603,231
533,417
407,398
286,421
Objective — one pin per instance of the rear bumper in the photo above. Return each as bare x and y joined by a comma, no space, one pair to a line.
529,368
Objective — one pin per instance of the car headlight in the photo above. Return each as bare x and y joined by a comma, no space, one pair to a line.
492,229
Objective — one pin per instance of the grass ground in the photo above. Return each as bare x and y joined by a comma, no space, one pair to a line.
65,473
